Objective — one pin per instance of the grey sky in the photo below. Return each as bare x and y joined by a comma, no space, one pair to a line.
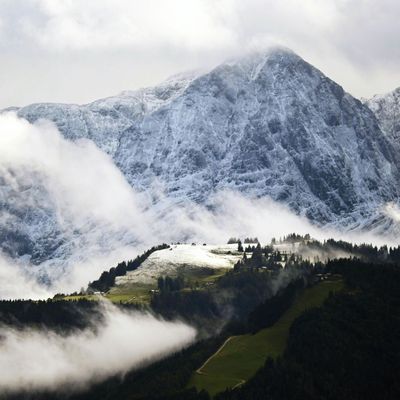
77,51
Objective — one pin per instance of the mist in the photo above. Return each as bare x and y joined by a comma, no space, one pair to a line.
63,196
392,210
38,359
16,282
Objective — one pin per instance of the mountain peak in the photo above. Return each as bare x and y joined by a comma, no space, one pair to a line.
395,92
268,124
258,57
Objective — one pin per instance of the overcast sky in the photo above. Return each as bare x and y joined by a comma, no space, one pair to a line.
81,50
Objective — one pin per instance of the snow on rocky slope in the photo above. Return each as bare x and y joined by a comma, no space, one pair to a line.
268,124
168,261
387,111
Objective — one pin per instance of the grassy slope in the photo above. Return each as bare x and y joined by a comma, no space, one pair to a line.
242,356
139,293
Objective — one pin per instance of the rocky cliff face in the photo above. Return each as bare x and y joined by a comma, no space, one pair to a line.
387,111
268,124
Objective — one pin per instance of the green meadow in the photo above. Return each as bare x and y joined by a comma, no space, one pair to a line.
241,356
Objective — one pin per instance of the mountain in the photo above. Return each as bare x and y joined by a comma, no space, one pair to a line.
268,124
387,111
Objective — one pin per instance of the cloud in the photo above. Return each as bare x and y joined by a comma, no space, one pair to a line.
231,214
367,32
103,47
16,282
121,23
392,210
41,150
35,359
67,198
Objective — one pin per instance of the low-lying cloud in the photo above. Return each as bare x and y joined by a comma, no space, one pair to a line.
392,210
67,198
15,282
43,360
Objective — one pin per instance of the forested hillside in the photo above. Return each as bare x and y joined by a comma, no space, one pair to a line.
347,348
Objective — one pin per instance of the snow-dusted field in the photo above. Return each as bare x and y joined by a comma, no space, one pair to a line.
166,262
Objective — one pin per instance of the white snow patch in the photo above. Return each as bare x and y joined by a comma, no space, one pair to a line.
167,261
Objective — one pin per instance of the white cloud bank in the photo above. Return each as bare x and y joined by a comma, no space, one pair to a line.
120,23
38,359
82,180
103,47
16,283
67,195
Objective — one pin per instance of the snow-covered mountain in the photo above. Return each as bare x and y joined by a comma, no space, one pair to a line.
386,108
268,124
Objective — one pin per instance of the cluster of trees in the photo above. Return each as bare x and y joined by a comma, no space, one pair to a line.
251,240
107,278
56,315
331,249
247,240
194,306
263,257
365,252
294,238
257,256
251,249
269,312
327,249
169,284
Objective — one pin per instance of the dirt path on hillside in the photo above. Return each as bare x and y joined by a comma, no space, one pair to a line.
199,370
